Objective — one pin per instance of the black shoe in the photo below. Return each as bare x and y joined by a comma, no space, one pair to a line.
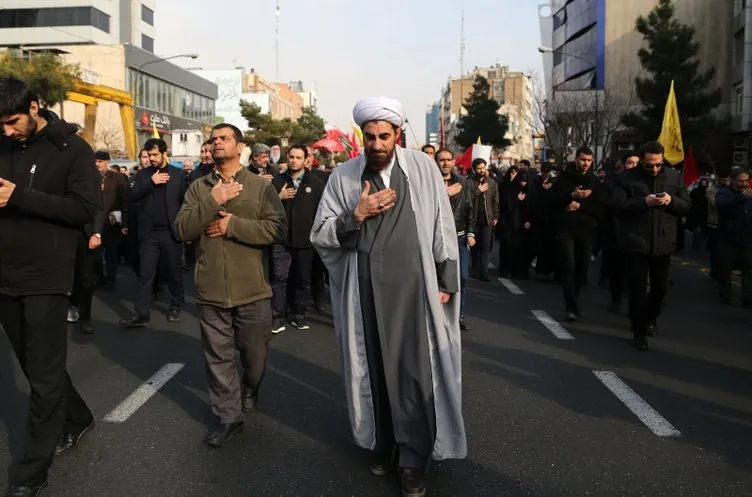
571,316
86,327
300,324
19,491
224,433
412,482
173,316
320,307
382,464
69,439
640,343
250,399
134,322
652,330
463,325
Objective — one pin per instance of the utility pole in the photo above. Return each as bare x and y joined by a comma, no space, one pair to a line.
276,45
462,44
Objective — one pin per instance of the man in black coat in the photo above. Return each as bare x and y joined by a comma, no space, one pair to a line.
301,193
158,194
648,200
577,202
486,192
49,189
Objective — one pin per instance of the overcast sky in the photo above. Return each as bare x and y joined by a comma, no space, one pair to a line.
352,49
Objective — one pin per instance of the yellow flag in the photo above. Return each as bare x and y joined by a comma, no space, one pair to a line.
358,134
478,142
671,137
154,132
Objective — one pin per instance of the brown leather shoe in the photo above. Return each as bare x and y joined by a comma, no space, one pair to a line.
413,482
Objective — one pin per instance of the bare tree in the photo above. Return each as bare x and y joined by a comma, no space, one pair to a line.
108,134
567,118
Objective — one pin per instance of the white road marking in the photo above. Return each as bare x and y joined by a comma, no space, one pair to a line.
649,416
554,327
143,393
509,284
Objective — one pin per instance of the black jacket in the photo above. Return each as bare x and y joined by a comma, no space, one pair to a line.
483,218
141,197
199,172
734,216
583,221
57,192
463,206
642,229
301,209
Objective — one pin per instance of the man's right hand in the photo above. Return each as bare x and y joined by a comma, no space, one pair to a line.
454,189
483,187
748,193
224,192
287,193
160,178
652,200
573,206
373,204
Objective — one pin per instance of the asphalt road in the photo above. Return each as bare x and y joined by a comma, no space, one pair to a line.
540,422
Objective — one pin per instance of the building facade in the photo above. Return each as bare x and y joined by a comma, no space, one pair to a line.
166,96
33,23
433,124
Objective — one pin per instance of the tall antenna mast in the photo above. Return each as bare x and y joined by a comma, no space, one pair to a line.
462,45
276,45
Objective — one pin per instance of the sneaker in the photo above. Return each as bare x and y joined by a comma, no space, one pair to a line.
278,328
300,324
73,314
463,325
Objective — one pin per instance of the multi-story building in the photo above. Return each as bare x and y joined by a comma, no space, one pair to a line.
433,124
741,80
595,45
104,22
310,99
511,89
166,96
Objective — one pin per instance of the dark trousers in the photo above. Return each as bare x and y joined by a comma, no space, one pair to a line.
731,256
299,281
38,332
112,239
319,277
87,272
247,329
574,253
279,270
482,249
159,250
616,273
189,253
712,236
464,272
644,307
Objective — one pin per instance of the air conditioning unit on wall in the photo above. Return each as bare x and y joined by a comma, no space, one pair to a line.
740,158
741,142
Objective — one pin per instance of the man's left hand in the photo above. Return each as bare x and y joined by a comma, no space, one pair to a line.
664,199
444,297
6,190
219,227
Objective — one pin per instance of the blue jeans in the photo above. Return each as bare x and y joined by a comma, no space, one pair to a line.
464,271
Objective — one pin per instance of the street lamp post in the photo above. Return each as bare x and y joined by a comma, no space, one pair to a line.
140,68
595,69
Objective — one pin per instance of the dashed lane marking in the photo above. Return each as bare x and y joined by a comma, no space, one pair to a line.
143,393
552,326
509,284
639,407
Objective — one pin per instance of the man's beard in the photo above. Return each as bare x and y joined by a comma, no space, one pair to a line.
378,161
275,157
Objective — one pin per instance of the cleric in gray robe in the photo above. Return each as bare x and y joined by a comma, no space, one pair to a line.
385,231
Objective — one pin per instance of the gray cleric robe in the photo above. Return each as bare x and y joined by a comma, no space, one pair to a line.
385,279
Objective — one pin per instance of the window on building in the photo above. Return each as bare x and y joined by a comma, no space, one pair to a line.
738,99
147,15
738,49
147,43
55,17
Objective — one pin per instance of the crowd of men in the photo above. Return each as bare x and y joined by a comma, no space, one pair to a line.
395,233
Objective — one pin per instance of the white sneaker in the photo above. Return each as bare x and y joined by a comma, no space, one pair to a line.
73,314
279,329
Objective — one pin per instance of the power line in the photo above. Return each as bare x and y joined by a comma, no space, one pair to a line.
412,131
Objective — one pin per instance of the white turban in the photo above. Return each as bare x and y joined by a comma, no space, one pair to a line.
379,109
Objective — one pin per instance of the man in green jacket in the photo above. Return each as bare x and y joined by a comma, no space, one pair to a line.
235,215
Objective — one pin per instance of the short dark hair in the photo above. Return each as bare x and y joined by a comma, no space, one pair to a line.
299,146
629,153
478,161
15,97
237,134
526,162
207,142
153,143
426,147
443,151
584,150
738,171
651,148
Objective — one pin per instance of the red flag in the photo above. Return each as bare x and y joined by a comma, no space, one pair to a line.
690,171
465,161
